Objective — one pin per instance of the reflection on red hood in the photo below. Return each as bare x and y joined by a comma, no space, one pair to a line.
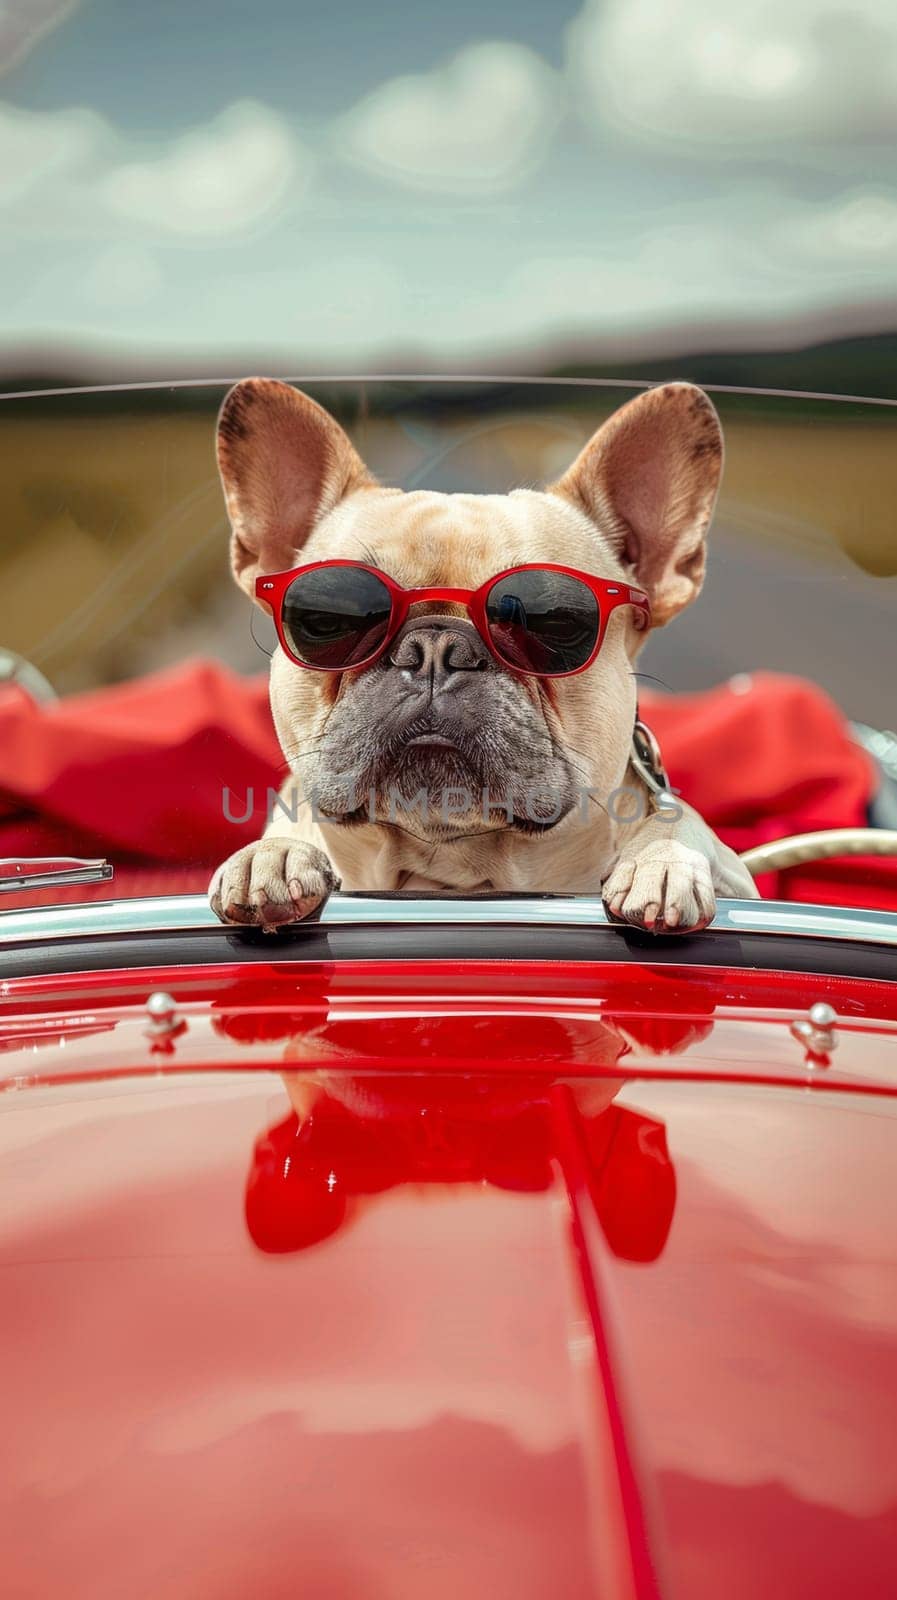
449,1328
308,1175
465,1038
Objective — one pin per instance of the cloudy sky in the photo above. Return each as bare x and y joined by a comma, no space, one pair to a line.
423,183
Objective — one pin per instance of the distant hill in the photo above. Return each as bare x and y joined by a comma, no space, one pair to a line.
859,365
864,365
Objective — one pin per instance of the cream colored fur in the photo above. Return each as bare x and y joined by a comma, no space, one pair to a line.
635,505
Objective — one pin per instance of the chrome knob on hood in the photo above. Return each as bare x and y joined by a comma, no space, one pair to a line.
816,1032
165,1024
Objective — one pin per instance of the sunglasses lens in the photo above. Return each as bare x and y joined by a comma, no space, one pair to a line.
543,622
335,617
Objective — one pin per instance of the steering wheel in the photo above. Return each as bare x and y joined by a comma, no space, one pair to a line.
828,842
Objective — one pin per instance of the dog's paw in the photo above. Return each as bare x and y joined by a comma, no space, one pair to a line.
665,887
271,882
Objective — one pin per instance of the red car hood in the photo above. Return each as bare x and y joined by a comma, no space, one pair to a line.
402,1282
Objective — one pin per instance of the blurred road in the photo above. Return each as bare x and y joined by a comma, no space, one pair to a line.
764,606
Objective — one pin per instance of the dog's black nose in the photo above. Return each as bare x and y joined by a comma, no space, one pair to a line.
438,647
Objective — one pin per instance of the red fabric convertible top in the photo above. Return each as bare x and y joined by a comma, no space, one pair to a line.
139,772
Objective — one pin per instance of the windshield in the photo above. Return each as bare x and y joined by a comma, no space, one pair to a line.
120,622
114,543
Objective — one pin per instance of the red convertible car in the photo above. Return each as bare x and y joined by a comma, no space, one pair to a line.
446,1247
442,1248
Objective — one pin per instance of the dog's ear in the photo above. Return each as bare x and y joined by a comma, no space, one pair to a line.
284,463
649,479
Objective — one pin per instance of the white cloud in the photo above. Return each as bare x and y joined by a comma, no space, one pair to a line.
220,178
856,233
24,22
763,260
743,76
760,262
475,125
70,174
37,147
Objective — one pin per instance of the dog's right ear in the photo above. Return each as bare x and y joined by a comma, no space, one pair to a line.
284,463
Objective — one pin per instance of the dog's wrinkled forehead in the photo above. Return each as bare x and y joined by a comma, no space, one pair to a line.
425,539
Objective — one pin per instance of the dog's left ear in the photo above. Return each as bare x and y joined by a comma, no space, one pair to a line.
648,479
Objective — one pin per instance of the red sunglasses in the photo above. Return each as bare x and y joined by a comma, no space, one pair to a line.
337,616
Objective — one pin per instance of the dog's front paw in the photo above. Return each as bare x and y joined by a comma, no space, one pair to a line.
666,886
271,882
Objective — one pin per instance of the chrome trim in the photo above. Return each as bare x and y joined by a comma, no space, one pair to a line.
24,874
455,379
27,677
188,913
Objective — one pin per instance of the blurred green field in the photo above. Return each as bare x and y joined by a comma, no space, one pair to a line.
113,541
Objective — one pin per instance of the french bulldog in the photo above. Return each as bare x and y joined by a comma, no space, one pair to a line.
427,755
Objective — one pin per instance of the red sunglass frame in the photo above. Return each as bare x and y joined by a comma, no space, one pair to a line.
271,587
